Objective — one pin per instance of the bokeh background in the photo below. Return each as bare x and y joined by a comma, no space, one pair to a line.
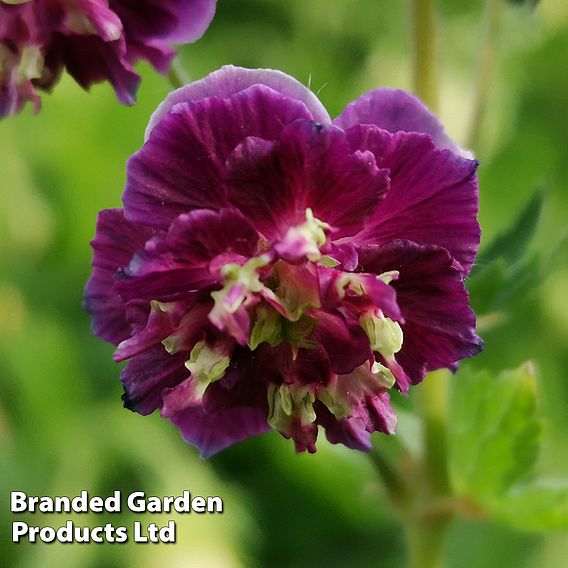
62,425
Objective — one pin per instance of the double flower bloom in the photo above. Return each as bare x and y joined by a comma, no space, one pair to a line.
274,268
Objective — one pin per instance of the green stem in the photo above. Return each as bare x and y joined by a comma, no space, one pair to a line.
486,66
432,398
427,525
432,393
418,486
424,51
426,535
426,540
176,75
395,483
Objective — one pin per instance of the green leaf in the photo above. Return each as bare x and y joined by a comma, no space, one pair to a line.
486,286
521,278
538,506
497,286
504,271
495,431
512,244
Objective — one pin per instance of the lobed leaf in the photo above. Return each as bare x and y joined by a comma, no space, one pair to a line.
513,243
538,507
494,431
504,270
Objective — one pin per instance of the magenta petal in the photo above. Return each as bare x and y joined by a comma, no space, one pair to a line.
311,166
148,374
304,436
439,326
403,381
373,413
181,320
211,433
377,294
395,110
230,80
116,240
343,339
158,54
178,263
147,19
243,385
180,397
433,197
194,17
14,95
178,21
105,22
378,412
236,324
181,166
350,432
158,327
89,59
345,254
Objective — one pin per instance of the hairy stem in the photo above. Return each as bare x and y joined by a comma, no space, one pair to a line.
432,396
486,66
424,51
397,487
426,535
426,540
177,75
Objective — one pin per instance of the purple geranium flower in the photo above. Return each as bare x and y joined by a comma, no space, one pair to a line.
274,268
95,40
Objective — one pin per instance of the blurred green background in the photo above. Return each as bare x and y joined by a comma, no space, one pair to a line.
62,425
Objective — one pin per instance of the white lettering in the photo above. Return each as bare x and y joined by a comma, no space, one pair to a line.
96,504
18,529
112,504
95,534
182,503
168,533
154,505
198,504
18,502
136,502
138,537
214,505
47,534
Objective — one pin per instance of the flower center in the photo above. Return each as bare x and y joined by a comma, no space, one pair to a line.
281,296
305,240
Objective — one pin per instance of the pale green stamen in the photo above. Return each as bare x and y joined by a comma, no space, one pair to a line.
233,274
384,334
207,365
388,277
383,375
267,328
288,402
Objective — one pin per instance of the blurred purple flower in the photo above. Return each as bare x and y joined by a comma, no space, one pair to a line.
274,268
95,40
